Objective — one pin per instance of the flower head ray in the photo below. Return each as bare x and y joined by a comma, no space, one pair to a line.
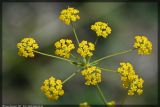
26,47
143,45
92,75
52,88
86,48
130,79
64,48
101,29
69,15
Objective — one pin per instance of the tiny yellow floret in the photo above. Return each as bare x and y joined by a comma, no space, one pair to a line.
130,79
52,88
69,15
26,47
143,45
101,29
64,47
92,75
85,48
84,104
111,104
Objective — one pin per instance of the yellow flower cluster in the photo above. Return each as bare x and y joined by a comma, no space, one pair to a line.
111,104
52,88
101,29
26,47
143,45
84,104
64,47
130,79
69,15
86,48
92,75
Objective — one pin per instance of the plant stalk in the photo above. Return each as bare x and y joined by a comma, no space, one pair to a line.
109,56
101,94
52,56
72,75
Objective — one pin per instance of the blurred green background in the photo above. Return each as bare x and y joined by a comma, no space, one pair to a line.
22,77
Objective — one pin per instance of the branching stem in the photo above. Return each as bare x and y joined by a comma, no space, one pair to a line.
109,56
95,45
107,69
101,94
124,99
74,31
72,75
52,56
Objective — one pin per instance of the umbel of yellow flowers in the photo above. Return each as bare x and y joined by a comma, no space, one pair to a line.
92,75
64,48
52,87
130,79
86,48
101,29
26,47
143,45
69,15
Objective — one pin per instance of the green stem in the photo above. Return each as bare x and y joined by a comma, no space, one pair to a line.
52,56
125,97
95,45
73,56
101,94
107,69
96,41
76,58
93,64
72,75
74,31
108,56
75,34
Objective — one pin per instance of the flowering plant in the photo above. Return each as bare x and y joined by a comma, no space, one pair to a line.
53,88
